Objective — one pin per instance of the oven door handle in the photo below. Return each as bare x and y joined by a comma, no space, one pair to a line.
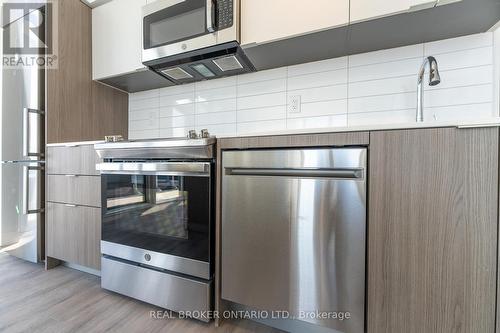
161,168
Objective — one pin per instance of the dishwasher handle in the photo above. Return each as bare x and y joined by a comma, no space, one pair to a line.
350,173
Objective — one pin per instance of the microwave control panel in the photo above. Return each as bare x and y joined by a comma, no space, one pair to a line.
224,14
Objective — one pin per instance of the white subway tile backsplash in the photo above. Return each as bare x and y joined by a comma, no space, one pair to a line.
459,43
464,77
216,94
266,75
379,118
385,70
153,93
261,101
214,84
466,58
384,86
174,132
187,121
177,110
219,129
376,57
359,90
318,66
320,93
269,113
261,126
317,122
215,118
141,125
177,90
141,104
318,79
461,112
457,96
143,114
383,103
321,109
144,134
216,106
178,99
261,87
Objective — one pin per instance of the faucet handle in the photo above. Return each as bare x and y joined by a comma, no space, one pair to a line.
192,134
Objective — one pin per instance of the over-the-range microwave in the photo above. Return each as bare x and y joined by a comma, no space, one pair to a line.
193,40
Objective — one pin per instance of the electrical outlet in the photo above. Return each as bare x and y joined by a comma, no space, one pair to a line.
294,104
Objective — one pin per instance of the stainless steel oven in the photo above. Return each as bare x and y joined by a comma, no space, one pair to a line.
191,40
157,219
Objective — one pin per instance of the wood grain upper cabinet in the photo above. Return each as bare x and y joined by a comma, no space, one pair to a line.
117,38
264,21
362,10
79,109
432,231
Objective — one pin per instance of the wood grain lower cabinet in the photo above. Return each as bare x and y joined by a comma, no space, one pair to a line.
432,230
74,189
73,217
75,234
72,160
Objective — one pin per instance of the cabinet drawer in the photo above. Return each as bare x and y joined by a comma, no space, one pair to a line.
77,160
74,234
80,190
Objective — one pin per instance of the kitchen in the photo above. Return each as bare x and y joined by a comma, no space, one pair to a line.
250,166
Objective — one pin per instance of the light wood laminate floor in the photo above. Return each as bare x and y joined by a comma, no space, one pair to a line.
67,300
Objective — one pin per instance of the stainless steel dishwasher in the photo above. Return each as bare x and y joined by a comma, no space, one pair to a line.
294,233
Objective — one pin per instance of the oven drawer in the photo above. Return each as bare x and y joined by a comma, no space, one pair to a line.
158,288
74,189
196,268
74,160
74,233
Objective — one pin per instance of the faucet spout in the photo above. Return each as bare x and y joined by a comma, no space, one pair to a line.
434,79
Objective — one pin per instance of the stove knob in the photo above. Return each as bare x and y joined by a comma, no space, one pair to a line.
204,134
147,257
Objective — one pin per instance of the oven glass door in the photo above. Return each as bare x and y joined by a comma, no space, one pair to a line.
165,214
176,23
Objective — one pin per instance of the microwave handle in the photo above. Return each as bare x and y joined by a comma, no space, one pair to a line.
211,15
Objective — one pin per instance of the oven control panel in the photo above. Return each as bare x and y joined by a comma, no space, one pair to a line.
224,13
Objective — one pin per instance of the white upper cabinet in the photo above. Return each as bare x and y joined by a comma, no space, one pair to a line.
268,20
363,10
117,38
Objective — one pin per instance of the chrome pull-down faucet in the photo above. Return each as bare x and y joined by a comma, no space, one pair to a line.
434,79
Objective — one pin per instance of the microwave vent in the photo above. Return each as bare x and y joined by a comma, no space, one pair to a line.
177,73
230,63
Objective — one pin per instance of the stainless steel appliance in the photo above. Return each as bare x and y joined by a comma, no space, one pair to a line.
192,40
157,221
22,153
294,233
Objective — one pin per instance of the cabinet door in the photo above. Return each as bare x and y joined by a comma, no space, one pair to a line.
263,21
72,160
432,230
362,10
117,38
74,234
74,189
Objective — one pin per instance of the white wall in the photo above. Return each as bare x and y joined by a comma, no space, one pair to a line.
365,89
